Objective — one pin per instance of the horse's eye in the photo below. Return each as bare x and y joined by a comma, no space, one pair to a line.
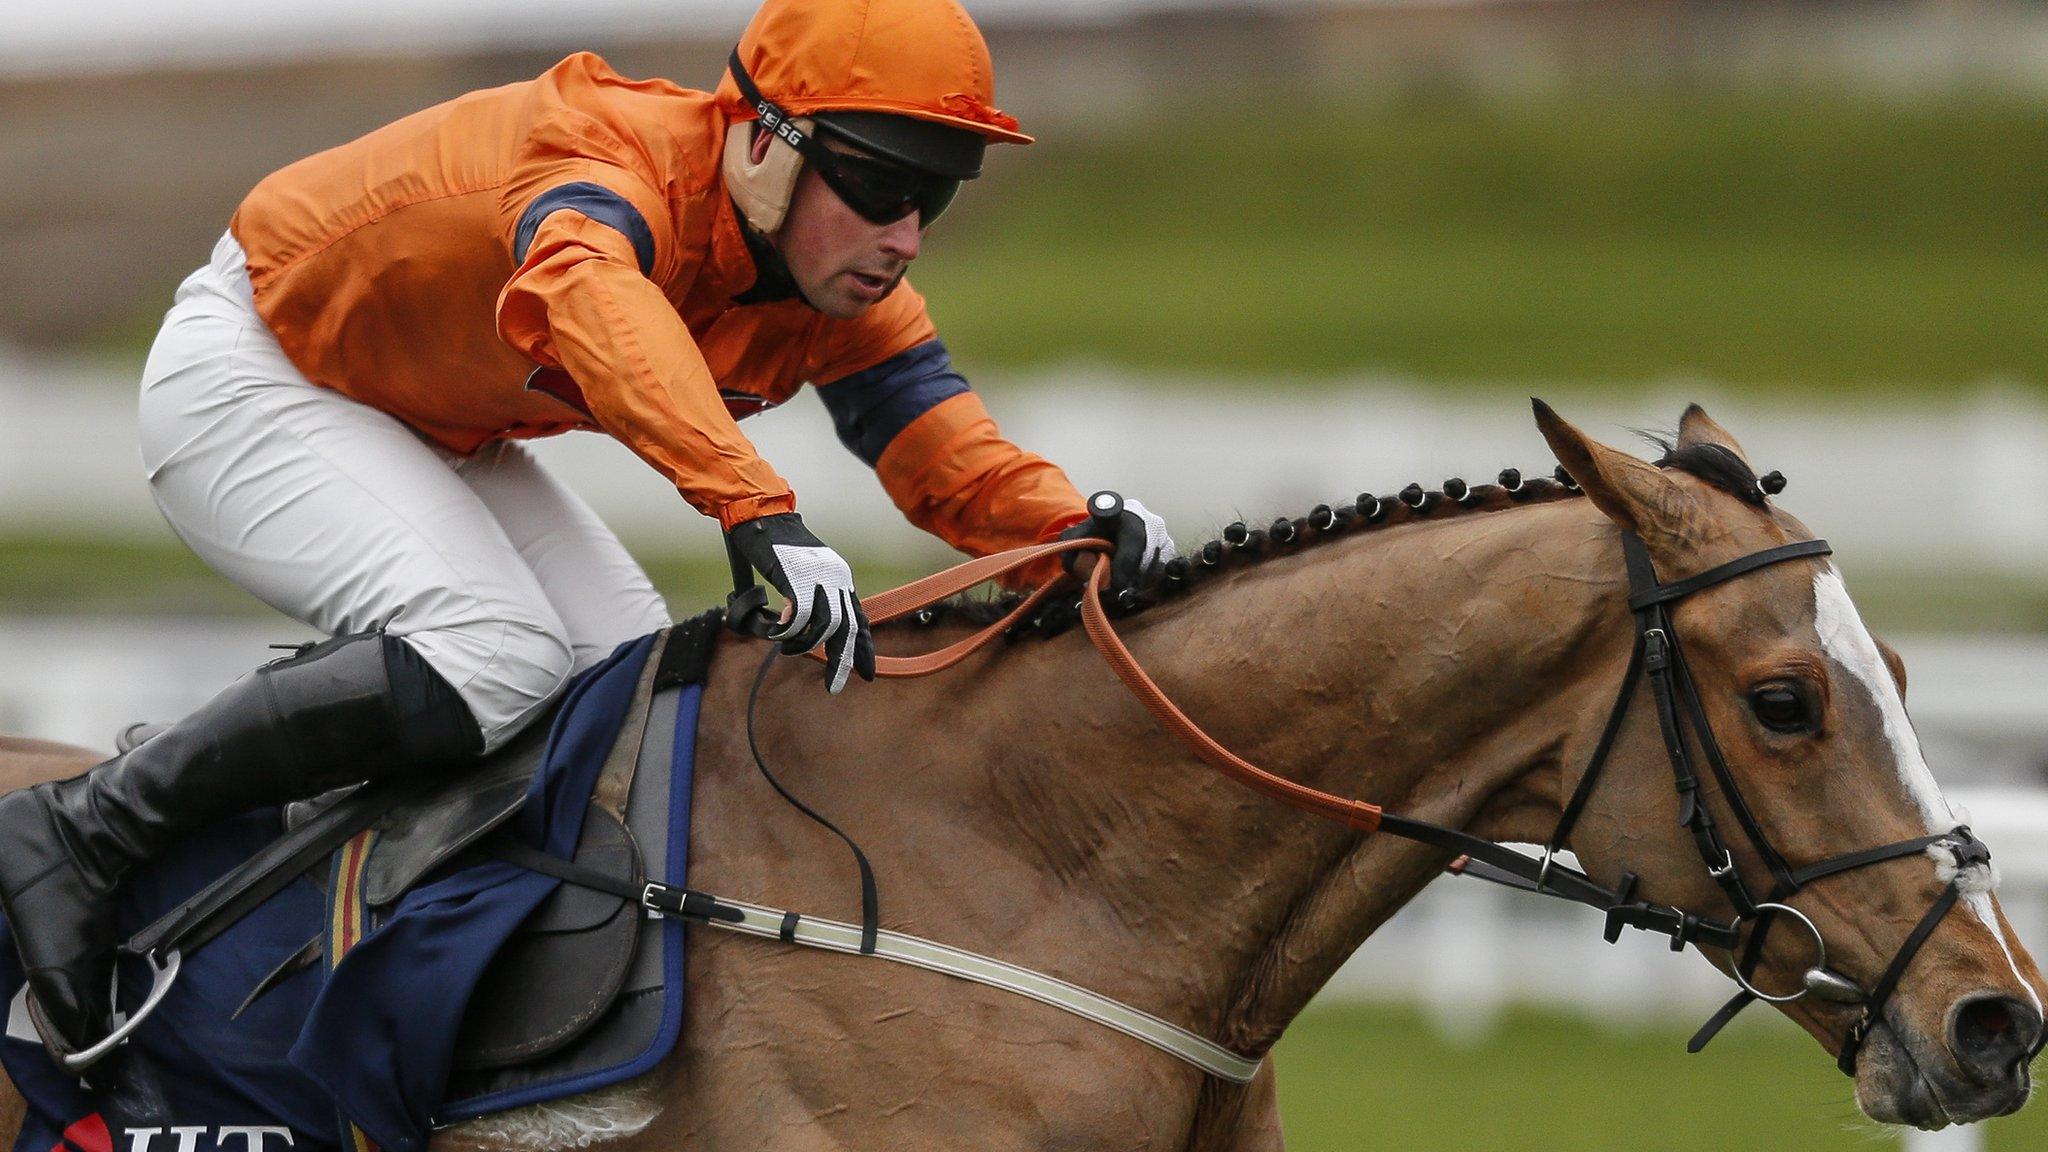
1782,709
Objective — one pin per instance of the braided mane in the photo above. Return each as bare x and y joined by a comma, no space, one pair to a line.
1241,545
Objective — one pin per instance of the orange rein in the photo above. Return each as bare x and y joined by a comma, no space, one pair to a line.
898,602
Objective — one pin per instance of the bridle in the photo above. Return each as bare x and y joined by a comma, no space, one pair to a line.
1656,656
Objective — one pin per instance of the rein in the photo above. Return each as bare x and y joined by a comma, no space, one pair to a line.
1655,656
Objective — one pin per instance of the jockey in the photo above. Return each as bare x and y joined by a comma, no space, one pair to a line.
333,416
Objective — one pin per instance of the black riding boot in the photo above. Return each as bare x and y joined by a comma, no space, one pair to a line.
353,708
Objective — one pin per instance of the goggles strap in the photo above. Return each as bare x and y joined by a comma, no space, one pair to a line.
772,116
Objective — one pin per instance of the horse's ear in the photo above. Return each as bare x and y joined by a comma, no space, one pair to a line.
1631,492
1894,663
1696,427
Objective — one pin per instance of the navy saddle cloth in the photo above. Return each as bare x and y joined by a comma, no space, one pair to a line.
446,984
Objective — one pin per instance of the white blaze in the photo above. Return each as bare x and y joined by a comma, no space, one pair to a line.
1849,643
1843,636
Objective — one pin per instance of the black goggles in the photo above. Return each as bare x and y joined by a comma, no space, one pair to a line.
881,192
878,191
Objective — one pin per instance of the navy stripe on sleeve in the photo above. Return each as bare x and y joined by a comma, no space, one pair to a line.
870,407
596,202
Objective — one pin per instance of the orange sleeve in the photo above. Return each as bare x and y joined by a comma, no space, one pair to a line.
581,300
952,474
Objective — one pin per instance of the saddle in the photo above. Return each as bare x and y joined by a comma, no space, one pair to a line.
580,991
579,987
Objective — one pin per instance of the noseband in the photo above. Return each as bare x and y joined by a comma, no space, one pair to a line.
1658,657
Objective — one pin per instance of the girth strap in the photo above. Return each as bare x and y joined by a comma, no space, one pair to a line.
918,952
653,896
832,935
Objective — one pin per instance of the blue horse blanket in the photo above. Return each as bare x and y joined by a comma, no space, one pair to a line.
369,1043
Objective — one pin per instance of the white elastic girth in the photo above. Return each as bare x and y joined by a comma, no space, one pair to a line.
834,936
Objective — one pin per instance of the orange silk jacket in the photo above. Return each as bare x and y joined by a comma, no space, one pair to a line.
560,254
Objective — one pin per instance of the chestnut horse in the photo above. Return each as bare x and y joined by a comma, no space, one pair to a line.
1451,663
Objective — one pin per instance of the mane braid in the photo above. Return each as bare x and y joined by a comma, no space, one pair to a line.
1240,546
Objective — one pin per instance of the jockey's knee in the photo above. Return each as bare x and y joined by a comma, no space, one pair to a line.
507,671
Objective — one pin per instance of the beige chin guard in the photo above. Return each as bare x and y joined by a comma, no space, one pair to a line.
762,190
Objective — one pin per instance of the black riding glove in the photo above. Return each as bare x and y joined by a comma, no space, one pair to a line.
1142,542
819,587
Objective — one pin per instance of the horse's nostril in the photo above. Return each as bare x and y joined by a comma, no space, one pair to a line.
1992,1034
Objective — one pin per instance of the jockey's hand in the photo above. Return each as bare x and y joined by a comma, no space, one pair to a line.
819,587
1142,543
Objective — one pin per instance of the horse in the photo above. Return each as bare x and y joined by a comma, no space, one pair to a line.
1452,658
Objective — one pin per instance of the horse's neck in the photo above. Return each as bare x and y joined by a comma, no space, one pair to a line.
1432,670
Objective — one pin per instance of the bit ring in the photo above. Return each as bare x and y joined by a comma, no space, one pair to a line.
1820,962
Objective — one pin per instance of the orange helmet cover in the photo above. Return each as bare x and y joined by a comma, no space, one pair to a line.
919,58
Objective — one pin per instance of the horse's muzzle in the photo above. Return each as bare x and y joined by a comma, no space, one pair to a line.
1992,1037
1978,1070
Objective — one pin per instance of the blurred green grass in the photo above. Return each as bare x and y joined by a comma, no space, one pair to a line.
1789,238
1355,1078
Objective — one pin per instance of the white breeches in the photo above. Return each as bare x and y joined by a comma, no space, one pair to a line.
339,515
